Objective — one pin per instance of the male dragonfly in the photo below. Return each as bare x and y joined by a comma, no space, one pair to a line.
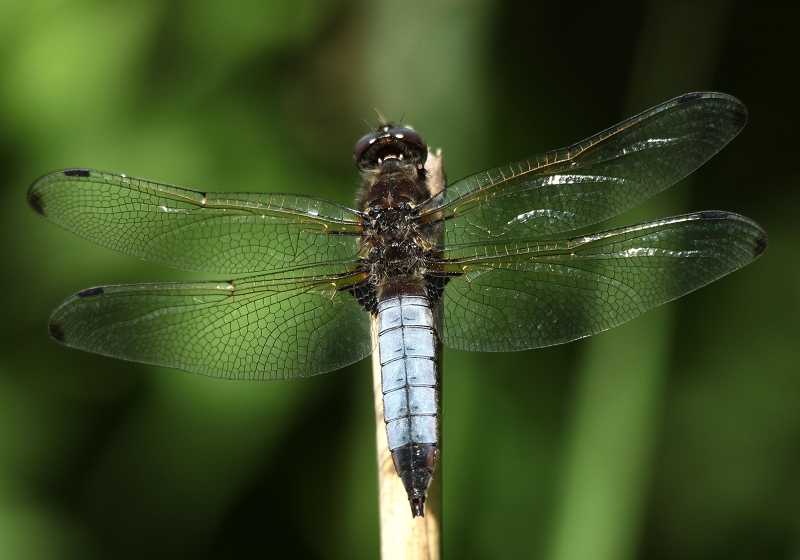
477,266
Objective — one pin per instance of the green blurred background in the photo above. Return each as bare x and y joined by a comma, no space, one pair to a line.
676,435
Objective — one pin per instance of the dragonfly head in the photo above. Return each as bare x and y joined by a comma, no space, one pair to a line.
390,145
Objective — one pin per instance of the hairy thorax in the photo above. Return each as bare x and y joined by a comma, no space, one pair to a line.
394,247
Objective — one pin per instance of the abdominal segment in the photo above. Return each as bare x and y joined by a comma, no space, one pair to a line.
406,345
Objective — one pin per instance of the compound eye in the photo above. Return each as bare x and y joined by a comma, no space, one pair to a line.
411,136
365,142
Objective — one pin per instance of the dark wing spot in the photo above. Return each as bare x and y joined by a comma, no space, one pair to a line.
35,202
76,173
714,215
760,246
434,286
56,333
365,294
686,98
91,292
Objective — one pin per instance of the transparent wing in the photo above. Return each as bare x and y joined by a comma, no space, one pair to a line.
539,293
227,233
592,180
291,323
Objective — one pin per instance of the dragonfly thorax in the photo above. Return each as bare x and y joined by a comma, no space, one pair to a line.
394,246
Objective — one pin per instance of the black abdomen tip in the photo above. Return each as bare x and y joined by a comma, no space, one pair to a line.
417,507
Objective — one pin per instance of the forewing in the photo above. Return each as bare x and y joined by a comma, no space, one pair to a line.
540,293
227,233
292,323
592,180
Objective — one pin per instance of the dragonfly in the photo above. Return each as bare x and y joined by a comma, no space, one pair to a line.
484,264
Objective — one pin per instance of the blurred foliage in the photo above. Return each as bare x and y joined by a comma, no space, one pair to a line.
674,436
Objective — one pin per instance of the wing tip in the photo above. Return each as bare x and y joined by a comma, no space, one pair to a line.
760,245
737,109
56,333
739,112
35,201
761,240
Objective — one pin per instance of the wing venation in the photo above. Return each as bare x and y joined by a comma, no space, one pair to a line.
592,180
535,293
226,233
291,323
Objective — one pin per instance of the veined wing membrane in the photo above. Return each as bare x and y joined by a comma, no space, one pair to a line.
592,180
291,323
538,293
226,233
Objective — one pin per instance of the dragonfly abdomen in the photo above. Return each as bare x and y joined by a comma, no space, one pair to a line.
406,346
